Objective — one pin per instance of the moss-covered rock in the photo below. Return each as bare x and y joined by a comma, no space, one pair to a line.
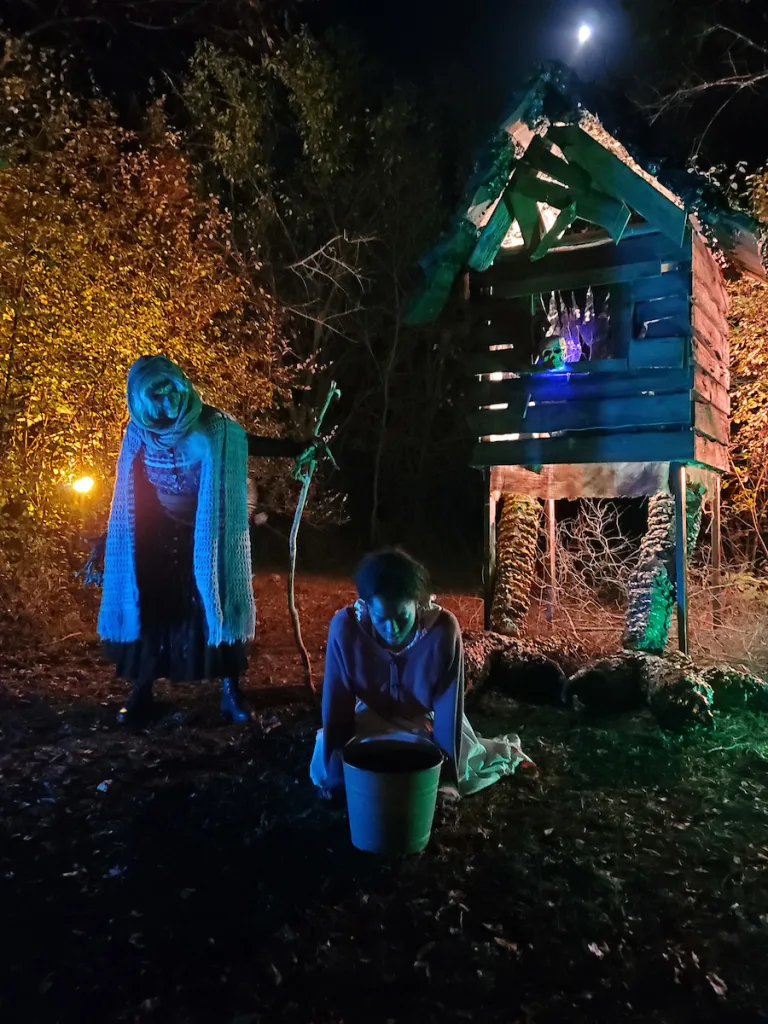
735,689
679,697
511,667
676,693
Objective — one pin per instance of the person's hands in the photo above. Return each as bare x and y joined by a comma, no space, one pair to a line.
335,795
92,573
448,794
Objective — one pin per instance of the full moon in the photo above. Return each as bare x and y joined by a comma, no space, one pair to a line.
585,33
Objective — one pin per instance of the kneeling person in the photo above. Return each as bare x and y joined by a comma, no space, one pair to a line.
395,666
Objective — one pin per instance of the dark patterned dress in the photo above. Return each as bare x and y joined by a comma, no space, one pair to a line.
174,635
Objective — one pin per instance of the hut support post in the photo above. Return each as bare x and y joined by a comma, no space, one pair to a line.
549,505
717,554
489,567
679,484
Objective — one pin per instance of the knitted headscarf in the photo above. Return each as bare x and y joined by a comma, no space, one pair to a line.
152,372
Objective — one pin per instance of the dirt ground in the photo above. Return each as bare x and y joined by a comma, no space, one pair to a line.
188,874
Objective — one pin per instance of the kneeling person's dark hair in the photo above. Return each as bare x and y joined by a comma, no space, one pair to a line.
393,575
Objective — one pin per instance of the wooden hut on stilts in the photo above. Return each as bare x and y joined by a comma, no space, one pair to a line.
597,347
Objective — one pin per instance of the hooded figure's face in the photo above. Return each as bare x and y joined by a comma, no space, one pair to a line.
161,398
165,398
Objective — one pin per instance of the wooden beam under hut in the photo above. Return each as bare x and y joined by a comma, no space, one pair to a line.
679,483
717,552
549,505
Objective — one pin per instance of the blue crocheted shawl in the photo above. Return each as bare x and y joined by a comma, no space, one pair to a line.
222,552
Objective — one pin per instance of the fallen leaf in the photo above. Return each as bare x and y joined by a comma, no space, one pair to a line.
505,944
718,985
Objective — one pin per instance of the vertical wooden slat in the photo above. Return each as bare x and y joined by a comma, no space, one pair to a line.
717,550
551,557
489,558
679,482
621,304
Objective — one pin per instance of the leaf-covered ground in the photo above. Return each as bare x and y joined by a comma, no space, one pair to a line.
188,874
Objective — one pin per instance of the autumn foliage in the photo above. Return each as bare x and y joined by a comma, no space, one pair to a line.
107,252
748,492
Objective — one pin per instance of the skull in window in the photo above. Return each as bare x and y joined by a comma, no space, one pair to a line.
552,355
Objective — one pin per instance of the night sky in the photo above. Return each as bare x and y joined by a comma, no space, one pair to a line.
490,46
481,51
495,42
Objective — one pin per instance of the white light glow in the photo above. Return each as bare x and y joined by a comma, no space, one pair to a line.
513,238
548,215
83,485
584,34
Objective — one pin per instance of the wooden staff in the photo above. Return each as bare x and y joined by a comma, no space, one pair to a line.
303,470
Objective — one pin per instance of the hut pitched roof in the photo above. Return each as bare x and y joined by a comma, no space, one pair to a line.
553,166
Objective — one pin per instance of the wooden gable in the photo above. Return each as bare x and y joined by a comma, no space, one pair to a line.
577,177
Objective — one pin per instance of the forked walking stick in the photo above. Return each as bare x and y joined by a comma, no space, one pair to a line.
303,470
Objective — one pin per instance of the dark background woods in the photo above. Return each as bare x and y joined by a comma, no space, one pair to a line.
335,139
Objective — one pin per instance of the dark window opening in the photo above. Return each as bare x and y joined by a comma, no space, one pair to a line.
572,327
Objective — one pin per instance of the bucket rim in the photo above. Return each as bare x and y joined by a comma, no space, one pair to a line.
378,742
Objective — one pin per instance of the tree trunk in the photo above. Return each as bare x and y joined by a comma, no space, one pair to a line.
517,535
651,587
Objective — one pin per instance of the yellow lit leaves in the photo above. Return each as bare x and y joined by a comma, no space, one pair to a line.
749,393
107,253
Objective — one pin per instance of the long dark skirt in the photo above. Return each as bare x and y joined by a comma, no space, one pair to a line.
174,635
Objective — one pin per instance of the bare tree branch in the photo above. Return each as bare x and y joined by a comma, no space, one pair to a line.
737,73
736,36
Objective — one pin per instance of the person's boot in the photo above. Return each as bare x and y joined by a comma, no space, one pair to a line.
137,710
232,707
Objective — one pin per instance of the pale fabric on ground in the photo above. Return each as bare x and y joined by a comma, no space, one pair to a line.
481,763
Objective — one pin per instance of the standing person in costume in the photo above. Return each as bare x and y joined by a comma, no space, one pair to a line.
177,599
394,666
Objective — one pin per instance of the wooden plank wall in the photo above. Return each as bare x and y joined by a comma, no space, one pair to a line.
710,355
650,287
711,348
661,328
661,398
633,259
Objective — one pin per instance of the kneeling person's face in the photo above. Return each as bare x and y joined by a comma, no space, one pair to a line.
392,619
